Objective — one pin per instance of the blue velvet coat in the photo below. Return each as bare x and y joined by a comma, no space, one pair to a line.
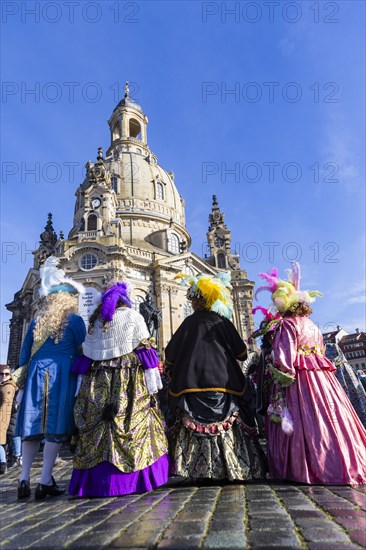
49,392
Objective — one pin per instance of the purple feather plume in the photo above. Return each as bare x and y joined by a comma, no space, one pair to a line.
259,308
111,297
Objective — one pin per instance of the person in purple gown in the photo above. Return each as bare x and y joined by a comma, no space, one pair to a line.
121,447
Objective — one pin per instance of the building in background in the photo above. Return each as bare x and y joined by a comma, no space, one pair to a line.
335,336
354,348
129,222
352,345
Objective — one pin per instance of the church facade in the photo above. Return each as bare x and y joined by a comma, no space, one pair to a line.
129,223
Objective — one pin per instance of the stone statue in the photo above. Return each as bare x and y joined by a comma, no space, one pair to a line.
151,314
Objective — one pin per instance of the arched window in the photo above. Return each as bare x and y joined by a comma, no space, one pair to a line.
187,309
92,222
173,243
221,260
116,131
114,183
137,300
159,190
135,129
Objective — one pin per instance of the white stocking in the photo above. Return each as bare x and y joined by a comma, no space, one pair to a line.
29,451
50,453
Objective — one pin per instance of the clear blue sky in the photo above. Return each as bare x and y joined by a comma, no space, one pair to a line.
291,131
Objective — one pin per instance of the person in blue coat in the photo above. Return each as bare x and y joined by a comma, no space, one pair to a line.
49,349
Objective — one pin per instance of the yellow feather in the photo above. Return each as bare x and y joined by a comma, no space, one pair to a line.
181,276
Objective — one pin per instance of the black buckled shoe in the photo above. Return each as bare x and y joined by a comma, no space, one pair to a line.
24,489
52,490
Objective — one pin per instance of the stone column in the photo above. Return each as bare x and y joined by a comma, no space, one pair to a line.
15,339
124,127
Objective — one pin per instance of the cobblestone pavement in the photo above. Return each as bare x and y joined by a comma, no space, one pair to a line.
182,516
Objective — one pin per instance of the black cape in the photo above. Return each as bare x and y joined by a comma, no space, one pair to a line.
202,356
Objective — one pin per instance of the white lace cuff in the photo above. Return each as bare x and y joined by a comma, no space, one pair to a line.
152,380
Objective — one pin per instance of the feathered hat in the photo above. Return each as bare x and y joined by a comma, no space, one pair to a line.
287,294
110,298
214,290
269,323
54,280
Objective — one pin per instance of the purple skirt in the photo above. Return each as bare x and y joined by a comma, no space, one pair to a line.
106,480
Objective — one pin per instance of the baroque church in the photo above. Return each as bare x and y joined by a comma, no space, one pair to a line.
129,223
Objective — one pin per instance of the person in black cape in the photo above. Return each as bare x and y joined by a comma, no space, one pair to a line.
212,431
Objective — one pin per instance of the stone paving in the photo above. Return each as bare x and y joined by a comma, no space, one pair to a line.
185,516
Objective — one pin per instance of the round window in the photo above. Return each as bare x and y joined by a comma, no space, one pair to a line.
88,261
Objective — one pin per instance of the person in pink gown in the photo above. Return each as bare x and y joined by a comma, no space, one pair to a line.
314,435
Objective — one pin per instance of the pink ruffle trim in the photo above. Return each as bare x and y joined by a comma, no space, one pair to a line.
313,361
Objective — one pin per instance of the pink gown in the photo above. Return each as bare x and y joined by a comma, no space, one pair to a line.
328,445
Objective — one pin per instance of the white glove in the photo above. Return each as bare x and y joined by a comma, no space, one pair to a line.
153,380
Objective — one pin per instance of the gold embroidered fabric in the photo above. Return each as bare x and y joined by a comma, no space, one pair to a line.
230,455
307,350
115,418
148,343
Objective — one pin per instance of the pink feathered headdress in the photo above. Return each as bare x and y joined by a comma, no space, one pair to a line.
286,294
269,323
271,278
268,314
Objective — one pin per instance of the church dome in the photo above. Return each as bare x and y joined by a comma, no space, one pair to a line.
148,207
142,186
130,103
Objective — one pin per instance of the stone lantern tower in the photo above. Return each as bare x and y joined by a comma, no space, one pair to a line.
221,256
